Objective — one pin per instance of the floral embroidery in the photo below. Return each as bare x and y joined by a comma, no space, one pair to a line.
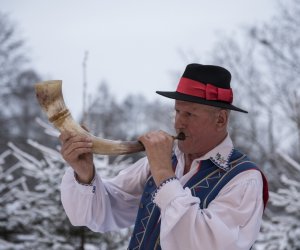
221,161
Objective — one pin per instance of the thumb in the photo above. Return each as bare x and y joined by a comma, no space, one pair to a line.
84,127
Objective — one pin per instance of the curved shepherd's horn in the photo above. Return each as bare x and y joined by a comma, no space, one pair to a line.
49,95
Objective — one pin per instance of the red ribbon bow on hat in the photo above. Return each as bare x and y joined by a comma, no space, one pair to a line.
206,91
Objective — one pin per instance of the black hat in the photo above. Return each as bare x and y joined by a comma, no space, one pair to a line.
204,84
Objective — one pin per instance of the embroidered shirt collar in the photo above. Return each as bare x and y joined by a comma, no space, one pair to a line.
220,155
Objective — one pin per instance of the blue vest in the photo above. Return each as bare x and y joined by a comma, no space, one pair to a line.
205,184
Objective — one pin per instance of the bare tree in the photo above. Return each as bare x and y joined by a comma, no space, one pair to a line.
17,96
12,53
12,59
280,49
264,62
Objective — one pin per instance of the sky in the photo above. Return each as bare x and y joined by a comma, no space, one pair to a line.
133,45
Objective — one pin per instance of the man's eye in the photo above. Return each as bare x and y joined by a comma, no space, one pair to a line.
186,114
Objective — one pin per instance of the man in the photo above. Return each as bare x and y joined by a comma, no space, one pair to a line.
196,193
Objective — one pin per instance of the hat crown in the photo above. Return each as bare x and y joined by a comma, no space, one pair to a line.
204,84
208,74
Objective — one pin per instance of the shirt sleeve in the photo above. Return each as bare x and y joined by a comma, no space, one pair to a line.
231,221
105,205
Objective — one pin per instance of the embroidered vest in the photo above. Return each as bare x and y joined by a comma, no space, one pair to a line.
205,184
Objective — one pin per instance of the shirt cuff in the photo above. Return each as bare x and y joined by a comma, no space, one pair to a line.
84,184
84,189
167,193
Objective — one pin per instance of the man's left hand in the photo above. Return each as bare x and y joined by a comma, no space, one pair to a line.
159,145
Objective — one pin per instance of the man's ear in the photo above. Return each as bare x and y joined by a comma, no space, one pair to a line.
222,119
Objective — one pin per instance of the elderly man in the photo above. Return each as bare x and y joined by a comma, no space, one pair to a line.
196,193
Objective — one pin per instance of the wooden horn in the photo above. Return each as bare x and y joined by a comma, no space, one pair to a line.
50,98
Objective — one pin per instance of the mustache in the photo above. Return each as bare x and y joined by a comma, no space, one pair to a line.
180,136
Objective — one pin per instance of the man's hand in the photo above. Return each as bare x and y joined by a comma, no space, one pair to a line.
77,152
158,147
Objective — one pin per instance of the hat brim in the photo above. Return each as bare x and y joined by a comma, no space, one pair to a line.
195,99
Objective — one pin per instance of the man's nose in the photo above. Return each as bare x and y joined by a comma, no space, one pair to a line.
180,121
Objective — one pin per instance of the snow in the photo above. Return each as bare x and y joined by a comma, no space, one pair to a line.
31,214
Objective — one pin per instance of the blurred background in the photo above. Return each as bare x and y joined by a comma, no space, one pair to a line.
112,56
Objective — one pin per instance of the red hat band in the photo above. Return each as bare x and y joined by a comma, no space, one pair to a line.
205,91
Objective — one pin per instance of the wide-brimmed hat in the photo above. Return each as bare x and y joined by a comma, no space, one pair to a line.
204,84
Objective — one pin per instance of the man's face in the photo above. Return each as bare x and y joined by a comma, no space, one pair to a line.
198,123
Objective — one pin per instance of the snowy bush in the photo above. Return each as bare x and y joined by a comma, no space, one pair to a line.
31,215
281,229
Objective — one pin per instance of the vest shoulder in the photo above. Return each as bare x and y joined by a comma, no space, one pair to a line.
239,158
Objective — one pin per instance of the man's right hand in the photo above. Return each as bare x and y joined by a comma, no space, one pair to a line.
77,152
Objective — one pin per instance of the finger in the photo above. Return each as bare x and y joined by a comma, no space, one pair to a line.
85,127
69,139
76,149
65,136
144,139
76,161
156,136
75,143
78,153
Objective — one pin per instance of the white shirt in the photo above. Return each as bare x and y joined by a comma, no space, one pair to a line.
231,221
